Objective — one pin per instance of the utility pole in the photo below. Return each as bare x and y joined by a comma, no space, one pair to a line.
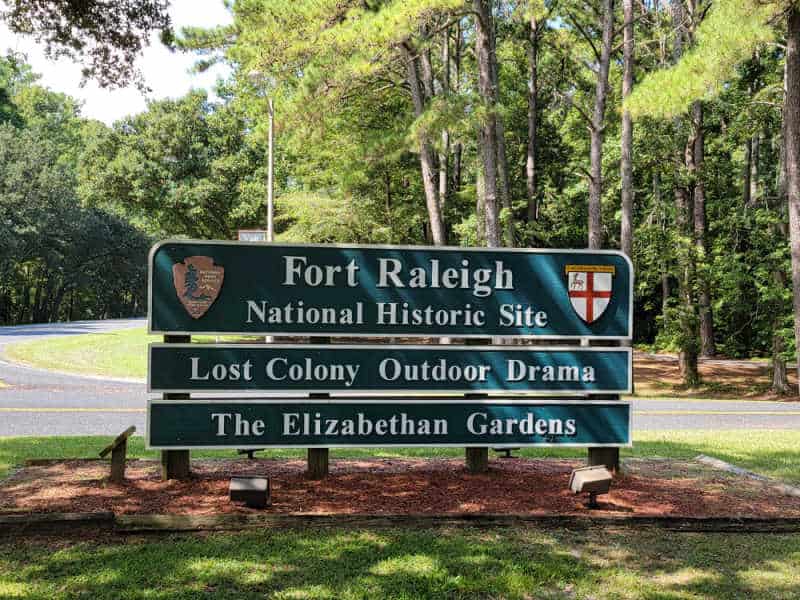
270,200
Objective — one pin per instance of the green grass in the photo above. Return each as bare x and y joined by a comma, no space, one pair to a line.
774,453
409,564
120,353
116,354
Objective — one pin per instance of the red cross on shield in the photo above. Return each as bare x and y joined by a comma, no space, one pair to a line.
589,288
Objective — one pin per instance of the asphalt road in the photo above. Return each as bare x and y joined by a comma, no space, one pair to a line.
39,402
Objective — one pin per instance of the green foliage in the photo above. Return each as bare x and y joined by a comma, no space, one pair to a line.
307,217
729,34
348,141
183,167
58,259
105,36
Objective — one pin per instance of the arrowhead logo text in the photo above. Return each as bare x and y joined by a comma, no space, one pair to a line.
589,288
197,282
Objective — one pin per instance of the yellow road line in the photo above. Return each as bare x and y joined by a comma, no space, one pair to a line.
69,410
795,413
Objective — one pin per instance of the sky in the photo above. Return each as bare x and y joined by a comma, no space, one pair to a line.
167,74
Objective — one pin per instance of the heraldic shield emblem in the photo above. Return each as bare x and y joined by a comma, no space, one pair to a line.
590,288
197,282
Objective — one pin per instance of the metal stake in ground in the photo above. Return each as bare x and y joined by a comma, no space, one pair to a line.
176,464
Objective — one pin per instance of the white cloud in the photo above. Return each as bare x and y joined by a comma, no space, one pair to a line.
166,73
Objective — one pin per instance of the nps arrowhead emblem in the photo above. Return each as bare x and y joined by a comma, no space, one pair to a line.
197,282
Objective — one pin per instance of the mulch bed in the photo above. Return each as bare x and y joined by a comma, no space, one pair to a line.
395,487
743,381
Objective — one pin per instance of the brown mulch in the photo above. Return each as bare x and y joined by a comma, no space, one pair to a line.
721,379
394,487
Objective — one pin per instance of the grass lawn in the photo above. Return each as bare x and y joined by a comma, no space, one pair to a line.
120,353
774,453
117,354
409,564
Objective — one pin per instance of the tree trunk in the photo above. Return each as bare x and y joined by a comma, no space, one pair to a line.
487,134
480,209
503,193
687,357
457,149
533,94
665,286
687,314
780,379
425,151
755,146
707,345
443,155
792,132
746,185
597,130
626,167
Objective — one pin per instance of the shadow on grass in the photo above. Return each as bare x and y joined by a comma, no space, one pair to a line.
394,563
491,563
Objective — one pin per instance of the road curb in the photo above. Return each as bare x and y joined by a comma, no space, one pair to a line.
779,486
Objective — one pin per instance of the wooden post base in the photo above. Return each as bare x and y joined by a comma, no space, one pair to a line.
477,460
607,457
175,464
118,462
317,463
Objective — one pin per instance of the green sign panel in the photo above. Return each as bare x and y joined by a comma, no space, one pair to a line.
257,424
359,368
256,288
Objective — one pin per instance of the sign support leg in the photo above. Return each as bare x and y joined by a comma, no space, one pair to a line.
176,464
317,458
317,463
477,458
607,457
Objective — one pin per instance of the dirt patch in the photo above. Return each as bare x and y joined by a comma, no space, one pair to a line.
409,486
657,375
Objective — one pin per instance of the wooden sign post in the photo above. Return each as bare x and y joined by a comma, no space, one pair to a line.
176,464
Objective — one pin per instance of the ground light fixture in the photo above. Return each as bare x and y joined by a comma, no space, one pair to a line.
592,481
253,491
